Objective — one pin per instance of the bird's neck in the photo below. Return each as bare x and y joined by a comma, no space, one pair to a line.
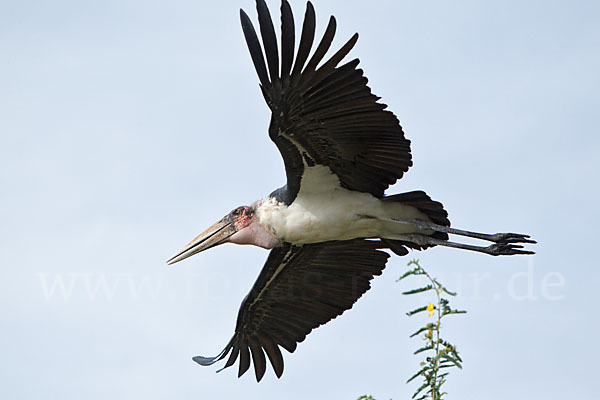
255,234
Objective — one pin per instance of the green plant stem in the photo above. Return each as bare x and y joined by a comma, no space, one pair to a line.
444,353
436,359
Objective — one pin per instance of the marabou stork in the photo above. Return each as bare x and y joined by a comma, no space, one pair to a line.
327,226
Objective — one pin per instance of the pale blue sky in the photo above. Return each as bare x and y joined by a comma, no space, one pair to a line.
127,127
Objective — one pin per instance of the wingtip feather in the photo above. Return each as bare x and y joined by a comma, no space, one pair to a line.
204,361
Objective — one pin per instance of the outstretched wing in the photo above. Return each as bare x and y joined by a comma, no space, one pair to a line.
299,288
323,114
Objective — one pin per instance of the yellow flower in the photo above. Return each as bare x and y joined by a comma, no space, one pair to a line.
430,308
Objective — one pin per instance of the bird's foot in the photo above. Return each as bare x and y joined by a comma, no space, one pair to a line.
506,249
505,238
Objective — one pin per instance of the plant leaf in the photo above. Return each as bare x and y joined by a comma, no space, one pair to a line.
418,290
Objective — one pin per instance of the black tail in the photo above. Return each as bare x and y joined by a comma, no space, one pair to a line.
419,199
422,202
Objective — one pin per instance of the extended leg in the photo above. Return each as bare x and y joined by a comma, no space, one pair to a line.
500,238
496,249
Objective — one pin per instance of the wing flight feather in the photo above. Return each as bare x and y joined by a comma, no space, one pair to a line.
298,289
324,112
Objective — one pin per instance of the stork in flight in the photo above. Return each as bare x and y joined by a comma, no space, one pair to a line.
327,227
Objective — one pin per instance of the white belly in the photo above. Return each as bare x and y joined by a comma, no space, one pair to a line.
329,212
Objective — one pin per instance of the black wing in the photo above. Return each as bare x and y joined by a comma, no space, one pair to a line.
299,288
324,114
